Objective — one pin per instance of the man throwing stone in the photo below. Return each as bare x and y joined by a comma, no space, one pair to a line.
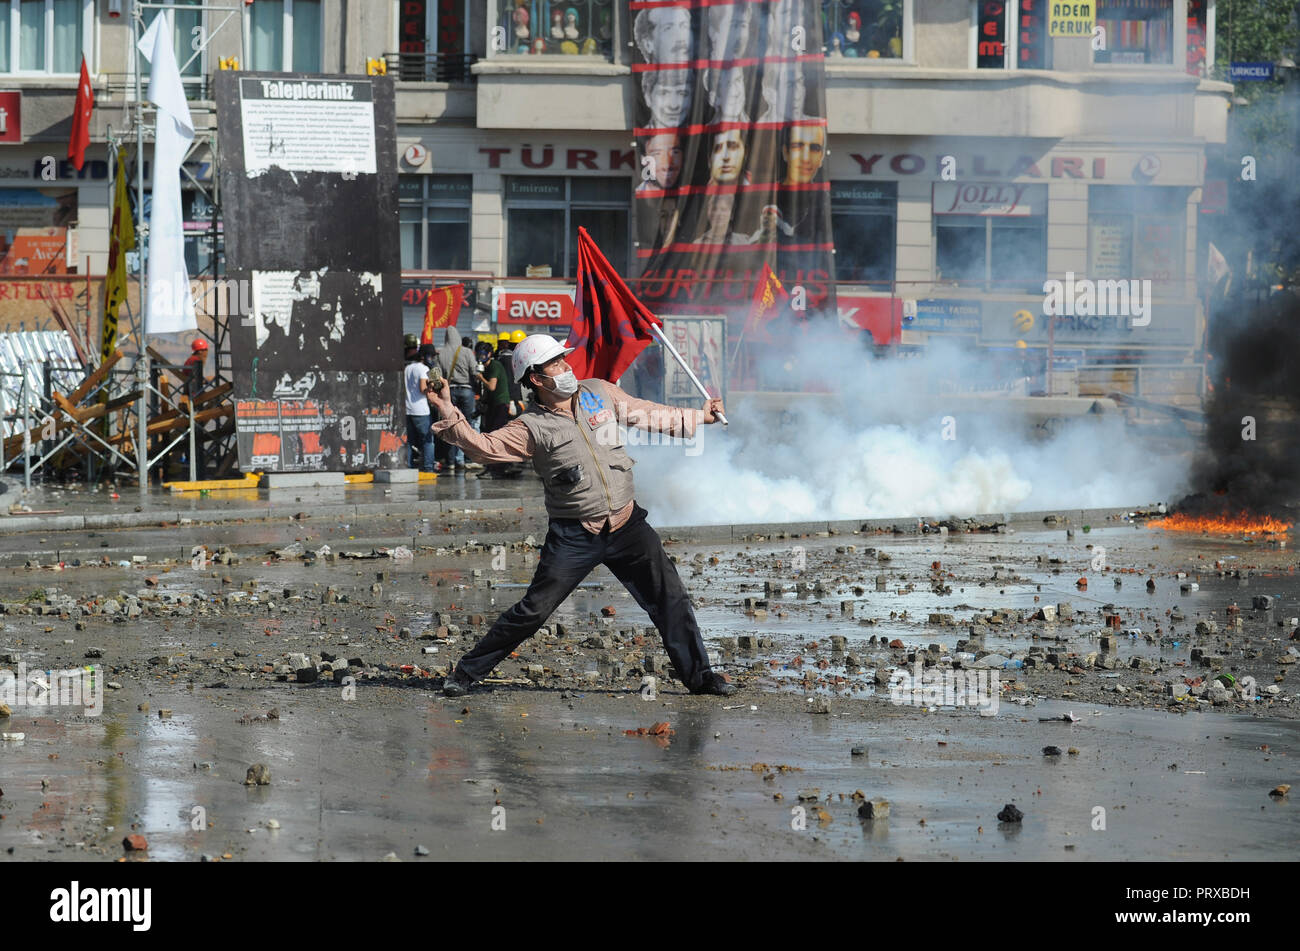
572,436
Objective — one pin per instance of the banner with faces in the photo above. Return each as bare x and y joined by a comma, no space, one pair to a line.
731,144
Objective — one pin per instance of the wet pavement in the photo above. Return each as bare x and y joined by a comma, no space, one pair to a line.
565,782
76,506
542,766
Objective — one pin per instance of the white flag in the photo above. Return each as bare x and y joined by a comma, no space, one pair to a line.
1218,265
168,307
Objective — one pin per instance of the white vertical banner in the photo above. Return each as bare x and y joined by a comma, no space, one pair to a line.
167,304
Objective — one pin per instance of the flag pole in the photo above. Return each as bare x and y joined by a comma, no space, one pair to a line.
689,372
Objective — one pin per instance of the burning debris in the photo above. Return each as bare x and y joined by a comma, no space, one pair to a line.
1242,523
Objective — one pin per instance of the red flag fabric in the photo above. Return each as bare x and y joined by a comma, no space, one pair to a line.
81,119
770,300
610,326
441,308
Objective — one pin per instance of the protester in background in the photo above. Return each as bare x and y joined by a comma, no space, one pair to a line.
194,378
505,356
456,360
419,422
429,356
505,352
494,403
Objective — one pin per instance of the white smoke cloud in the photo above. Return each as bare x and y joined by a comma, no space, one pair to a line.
875,447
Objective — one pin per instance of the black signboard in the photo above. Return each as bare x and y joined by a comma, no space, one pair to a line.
309,188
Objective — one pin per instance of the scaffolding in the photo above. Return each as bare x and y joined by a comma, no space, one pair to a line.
132,411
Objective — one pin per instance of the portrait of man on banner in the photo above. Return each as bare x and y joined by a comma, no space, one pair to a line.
663,34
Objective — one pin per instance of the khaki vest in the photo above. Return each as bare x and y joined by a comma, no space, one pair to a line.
594,439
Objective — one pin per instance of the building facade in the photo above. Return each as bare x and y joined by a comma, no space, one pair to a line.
971,154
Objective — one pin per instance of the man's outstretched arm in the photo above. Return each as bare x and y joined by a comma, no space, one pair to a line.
511,443
660,418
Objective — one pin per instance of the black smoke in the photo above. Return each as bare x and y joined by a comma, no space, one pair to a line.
1250,459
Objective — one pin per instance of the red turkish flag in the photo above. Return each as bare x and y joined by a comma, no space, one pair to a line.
81,119
610,326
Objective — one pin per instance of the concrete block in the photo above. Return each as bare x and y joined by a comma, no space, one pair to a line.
301,480
397,476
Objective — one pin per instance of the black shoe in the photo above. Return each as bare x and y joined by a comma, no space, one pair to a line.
715,685
456,685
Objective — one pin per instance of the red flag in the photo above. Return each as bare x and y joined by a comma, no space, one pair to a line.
610,326
441,308
81,119
770,300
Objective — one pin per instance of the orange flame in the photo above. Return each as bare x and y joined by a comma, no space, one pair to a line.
1240,524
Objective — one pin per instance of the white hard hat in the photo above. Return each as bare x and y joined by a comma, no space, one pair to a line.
535,350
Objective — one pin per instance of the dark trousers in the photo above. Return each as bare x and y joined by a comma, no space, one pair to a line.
419,439
495,415
462,397
637,558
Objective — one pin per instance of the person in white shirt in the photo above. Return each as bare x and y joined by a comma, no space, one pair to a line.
419,422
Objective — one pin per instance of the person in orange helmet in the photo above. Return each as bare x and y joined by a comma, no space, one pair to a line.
194,379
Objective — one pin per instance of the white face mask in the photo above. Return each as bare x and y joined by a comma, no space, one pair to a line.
566,384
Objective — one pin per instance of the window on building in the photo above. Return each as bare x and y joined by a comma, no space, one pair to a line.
187,33
203,256
991,235
1011,34
558,27
433,40
201,253
286,36
961,249
999,254
864,221
43,36
1136,232
864,29
543,214
991,34
434,221
1200,37
1138,32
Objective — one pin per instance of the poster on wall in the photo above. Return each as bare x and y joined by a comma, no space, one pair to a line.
1110,246
309,183
34,229
287,434
283,119
731,143
702,342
